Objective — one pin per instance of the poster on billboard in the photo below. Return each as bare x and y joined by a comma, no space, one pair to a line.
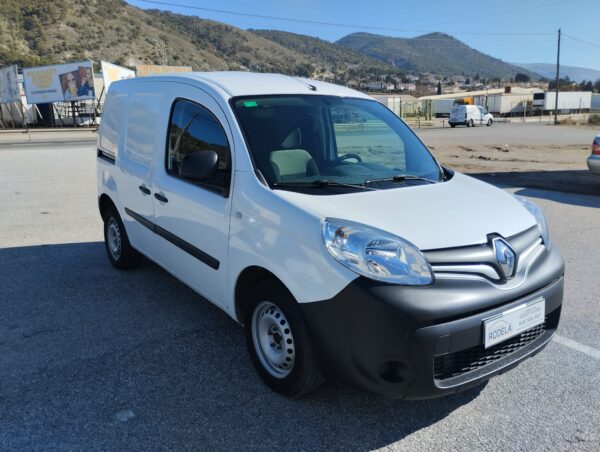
59,83
153,69
112,73
9,85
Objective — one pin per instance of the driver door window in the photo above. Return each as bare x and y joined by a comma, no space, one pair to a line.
193,129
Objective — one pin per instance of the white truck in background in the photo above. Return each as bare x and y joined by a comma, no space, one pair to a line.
568,101
442,107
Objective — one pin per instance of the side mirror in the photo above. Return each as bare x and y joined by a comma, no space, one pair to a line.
199,166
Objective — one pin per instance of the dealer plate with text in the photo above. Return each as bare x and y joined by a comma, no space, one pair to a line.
514,321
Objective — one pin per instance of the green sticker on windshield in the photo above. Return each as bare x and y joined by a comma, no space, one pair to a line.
250,103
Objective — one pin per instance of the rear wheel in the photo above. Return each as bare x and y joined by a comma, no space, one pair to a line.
120,252
452,125
279,341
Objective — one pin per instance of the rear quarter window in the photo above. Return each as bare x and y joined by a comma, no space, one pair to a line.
142,127
112,120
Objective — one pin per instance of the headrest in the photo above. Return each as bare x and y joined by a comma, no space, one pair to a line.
293,140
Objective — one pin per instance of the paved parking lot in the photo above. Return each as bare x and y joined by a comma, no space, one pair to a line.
92,358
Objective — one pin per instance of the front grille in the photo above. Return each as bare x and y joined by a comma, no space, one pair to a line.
470,359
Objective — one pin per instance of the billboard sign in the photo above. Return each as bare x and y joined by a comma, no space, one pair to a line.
9,85
59,83
112,73
152,69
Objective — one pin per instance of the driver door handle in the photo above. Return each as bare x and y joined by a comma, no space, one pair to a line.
145,190
161,197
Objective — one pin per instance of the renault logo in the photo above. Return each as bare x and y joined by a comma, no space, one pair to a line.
505,257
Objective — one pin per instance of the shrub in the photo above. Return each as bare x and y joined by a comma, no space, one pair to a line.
568,121
594,120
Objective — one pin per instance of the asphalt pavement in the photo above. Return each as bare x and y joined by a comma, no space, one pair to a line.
92,358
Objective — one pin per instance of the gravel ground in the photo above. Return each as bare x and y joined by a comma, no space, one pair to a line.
96,359
519,155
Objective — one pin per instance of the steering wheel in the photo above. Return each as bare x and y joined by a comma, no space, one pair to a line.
343,157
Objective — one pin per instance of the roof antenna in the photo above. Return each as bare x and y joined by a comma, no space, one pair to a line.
310,87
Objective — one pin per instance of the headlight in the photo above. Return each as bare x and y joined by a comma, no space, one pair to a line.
539,218
375,254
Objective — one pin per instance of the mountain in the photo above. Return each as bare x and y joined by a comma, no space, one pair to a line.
35,32
577,74
436,53
326,53
38,32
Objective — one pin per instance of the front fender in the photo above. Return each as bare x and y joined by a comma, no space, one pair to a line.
270,232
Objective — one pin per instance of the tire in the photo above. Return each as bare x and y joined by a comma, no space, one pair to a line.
452,125
279,341
470,123
490,122
120,252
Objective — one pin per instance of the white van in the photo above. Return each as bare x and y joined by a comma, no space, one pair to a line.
317,219
470,115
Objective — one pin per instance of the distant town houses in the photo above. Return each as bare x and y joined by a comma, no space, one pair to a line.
424,84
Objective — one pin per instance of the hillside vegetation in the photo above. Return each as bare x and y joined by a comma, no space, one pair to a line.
329,55
45,31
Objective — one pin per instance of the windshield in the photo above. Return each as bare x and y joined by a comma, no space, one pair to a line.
298,140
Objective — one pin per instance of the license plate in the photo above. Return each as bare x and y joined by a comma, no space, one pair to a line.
512,322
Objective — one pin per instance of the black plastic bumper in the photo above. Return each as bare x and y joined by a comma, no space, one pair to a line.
417,342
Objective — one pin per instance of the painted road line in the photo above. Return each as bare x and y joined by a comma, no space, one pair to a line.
590,351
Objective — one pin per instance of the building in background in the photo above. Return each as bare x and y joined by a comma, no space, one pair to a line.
404,105
502,101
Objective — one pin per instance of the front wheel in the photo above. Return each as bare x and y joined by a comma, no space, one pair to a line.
120,252
470,123
279,341
490,122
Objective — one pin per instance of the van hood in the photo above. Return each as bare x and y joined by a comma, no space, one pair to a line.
458,212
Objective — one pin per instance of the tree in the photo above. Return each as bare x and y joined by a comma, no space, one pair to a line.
565,84
586,86
522,78
439,88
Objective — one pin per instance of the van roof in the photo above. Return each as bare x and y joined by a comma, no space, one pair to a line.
232,83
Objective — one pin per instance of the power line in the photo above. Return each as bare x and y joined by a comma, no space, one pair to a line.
574,46
332,24
581,40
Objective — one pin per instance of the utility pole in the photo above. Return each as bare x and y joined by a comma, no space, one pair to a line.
557,80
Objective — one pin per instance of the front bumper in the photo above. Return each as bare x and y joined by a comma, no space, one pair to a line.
423,342
593,163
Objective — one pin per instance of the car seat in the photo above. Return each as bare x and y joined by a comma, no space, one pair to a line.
291,162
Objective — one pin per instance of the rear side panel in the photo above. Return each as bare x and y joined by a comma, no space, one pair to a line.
129,131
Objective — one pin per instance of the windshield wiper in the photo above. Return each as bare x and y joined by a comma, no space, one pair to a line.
322,183
400,178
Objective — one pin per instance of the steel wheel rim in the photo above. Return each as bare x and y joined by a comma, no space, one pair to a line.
273,339
114,238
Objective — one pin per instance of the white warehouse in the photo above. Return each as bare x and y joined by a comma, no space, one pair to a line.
501,101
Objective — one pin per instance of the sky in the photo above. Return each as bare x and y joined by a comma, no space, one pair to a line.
517,31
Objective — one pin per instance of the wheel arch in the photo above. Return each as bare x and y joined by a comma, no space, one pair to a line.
246,280
104,203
